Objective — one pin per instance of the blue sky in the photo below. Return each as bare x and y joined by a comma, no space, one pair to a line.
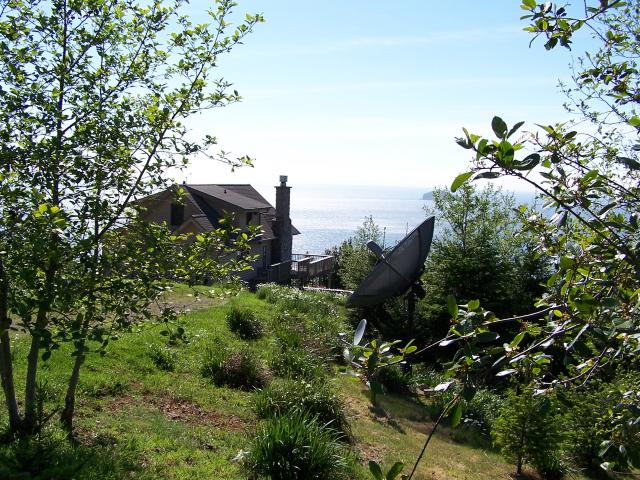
374,93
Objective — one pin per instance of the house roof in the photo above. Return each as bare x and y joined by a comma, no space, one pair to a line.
242,196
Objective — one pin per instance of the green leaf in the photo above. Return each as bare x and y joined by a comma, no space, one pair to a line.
517,339
468,392
460,180
499,127
528,4
487,175
604,447
395,470
375,470
457,415
634,121
567,262
515,128
630,163
473,305
452,306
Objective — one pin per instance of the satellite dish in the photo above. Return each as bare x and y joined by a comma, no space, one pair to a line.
397,271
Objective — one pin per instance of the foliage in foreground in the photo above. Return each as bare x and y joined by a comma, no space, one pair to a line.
93,104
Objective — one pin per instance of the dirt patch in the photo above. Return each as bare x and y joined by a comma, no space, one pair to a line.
182,410
187,303
369,451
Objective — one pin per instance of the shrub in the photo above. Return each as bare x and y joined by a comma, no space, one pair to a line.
236,368
526,430
550,465
244,323
483,410
162,357
297,447
265,292
287,397
589,423
394,380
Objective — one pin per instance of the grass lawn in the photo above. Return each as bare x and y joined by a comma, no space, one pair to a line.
135,420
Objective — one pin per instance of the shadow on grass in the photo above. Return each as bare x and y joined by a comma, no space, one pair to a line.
52,456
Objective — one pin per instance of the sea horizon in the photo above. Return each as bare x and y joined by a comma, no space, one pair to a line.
327,215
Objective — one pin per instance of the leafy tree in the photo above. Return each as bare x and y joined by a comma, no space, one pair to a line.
93,101
526,429
354,260
589,177
479,253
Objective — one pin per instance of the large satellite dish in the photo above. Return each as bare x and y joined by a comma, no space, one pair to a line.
398,270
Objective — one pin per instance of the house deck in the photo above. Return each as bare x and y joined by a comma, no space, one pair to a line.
302,266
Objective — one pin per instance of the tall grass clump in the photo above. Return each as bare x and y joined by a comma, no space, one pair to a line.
294,356
233,367
317,399
297,447
162,357
244,323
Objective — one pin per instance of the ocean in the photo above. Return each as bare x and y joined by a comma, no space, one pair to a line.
326,216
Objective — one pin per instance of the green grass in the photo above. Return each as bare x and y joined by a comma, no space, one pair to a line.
135,420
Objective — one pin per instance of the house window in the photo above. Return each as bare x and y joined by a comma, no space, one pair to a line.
177,214
249,218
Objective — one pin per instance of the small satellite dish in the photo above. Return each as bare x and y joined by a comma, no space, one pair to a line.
398,270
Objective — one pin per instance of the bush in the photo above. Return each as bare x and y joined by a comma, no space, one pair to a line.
483,411
526,430
235,368
394,380
297,447
550,465
317,399
162,357
244,323
588,423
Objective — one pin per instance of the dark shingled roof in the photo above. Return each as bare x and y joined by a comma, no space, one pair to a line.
243,196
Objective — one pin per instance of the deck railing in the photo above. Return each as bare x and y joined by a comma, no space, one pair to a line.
303,266
309,266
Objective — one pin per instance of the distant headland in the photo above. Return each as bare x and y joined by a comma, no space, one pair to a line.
427,196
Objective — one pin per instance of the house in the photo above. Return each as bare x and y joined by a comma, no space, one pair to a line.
203,205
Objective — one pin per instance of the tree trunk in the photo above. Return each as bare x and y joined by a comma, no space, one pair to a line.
66,418
6,365
29,425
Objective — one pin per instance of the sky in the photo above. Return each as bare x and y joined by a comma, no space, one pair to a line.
349,92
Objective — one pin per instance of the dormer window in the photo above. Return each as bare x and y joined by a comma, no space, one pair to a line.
177,214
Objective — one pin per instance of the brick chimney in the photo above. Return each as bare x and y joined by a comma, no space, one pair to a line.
283,222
